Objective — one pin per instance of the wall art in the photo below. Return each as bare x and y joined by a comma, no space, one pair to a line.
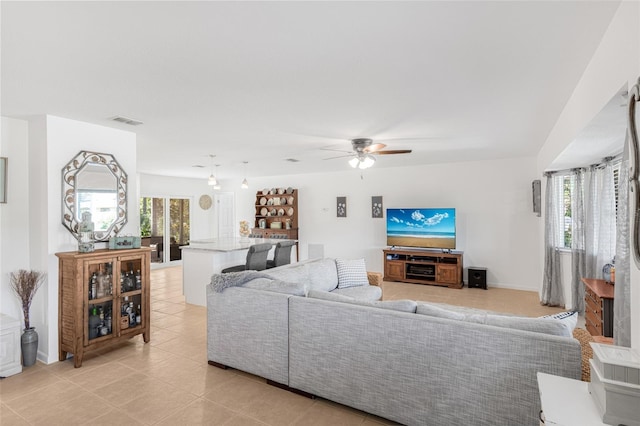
376,207
341,206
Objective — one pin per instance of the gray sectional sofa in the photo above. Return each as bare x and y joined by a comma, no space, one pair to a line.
414,363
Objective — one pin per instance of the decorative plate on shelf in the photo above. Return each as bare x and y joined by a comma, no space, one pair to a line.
280,191
273,212
283,201
265,191
290,201
289,190
290,211
263,201
264,211
205,202
280,212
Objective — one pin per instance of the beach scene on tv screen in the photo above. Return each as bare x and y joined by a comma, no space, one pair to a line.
422,228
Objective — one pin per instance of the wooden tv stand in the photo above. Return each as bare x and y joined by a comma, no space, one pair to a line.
423,267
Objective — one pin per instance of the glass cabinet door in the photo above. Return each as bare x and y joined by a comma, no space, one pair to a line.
130,301
99,294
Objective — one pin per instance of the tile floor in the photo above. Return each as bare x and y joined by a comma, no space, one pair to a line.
168,380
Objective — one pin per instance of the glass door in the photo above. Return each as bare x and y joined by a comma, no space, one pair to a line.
179,226
165,226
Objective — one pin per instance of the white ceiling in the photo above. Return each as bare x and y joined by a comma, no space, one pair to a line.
266,81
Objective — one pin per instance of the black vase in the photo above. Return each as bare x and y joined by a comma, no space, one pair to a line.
29,345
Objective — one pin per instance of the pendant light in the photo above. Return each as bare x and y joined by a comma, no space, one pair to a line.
216,185
212,179
245,183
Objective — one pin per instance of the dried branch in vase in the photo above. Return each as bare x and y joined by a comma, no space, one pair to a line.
25,284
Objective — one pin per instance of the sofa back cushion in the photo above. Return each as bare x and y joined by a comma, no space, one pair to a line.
297,288
539,325
322,274
394,305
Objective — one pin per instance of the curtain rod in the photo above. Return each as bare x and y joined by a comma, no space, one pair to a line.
604,162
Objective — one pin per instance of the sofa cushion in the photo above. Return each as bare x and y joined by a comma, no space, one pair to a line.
328,295
291,273
268,284
395,305
365,292
351,273
539,325
322,274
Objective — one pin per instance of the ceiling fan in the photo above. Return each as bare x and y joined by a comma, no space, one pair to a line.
364,152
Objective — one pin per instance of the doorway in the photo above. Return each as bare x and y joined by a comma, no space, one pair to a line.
165,226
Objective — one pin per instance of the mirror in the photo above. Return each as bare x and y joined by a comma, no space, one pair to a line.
94,182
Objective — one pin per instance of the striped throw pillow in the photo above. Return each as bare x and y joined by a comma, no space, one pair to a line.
351,273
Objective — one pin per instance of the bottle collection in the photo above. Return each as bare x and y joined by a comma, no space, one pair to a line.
100,321
130,281
101,284
129,315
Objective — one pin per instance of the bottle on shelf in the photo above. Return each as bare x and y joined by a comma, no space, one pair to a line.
138,316
100,285
94,322
92,286
132,315
138,280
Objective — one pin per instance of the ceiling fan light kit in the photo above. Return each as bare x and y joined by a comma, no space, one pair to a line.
364,151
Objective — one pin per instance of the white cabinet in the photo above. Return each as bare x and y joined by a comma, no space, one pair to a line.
10,363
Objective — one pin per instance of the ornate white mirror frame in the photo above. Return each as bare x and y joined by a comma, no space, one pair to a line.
113,184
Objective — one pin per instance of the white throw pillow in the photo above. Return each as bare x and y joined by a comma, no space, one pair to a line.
569,319
351,273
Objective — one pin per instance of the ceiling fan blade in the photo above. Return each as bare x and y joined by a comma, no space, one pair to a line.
392,151
339,156
335,150
374,147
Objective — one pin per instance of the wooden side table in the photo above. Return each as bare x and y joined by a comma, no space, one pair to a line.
566,402
598,310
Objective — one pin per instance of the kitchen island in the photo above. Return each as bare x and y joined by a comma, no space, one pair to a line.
203,258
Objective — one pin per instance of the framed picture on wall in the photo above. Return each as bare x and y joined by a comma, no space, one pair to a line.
376,207
341,206
3,179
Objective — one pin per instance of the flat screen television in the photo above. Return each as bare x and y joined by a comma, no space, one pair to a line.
424,228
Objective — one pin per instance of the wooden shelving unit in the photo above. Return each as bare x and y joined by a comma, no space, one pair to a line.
277,206
103,299
423,267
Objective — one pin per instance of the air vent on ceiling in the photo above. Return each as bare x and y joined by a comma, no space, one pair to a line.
125,120
292,160
199,166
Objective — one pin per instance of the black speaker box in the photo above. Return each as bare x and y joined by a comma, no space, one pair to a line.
477,277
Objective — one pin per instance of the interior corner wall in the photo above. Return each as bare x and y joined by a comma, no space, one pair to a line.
614,65
53,142
14,220
496,226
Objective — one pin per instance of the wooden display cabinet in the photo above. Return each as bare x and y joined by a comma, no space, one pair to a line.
423,267
103,299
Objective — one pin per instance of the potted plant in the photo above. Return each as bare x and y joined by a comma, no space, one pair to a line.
25,284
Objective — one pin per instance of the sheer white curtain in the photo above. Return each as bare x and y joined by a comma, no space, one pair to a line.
552,294
600,218
578,241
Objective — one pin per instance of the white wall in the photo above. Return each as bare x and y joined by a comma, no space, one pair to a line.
14,216
615,64
202,221
30,225
496,226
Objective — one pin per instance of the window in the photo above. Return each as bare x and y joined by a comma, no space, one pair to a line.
569,187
